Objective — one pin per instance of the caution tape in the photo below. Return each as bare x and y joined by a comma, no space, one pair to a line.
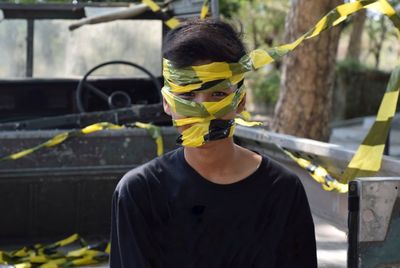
55,255
245,120
318,173
204,9
217,75
171,22
368,157
154,132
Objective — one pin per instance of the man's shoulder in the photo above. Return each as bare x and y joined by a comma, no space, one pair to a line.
279,174
283,183
150,172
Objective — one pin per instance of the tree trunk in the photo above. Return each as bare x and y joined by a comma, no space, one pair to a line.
354,48
381,39
304,103
254,28
255,33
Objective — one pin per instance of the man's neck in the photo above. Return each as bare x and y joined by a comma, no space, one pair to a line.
222,161
215,156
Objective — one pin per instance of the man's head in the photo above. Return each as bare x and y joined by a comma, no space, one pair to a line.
202,92
198,41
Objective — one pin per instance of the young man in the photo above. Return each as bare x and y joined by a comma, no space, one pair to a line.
212,203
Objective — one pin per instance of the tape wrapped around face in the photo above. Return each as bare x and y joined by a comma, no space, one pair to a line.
217,109
221,75
201,133
203,116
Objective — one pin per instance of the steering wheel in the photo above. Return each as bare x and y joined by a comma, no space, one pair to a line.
117,99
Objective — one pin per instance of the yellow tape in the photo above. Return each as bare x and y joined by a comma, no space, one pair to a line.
243,122
152,5
82,251
191,120
368,158
194,136
187,79
54,263
171,22
204,12
260,58
108,248
246,115
84,261
387,108
57,139
319,174
154,131
38,259
23,265
21,252
204,9
20,154
50,257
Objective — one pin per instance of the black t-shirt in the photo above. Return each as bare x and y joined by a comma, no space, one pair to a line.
164,214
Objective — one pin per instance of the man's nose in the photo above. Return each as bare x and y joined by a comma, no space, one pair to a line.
201,97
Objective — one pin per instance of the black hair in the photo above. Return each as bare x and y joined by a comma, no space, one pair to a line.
203,40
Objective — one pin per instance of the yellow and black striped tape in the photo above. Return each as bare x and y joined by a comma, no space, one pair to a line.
154,132
368,158
319,174
217,75
50,256
171,22
204,9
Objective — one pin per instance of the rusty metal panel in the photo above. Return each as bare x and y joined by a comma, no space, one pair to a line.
374,223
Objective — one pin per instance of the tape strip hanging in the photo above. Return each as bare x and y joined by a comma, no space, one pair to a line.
60,138
372,148
155,133
319,174
211,76
204,9
368,157
153,130
217,75
171,22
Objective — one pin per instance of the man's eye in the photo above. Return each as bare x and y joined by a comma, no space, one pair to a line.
219,94
187,95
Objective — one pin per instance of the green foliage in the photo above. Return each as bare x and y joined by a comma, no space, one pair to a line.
230,8
264,21
265,86
264,25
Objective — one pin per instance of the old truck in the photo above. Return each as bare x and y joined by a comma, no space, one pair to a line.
111,72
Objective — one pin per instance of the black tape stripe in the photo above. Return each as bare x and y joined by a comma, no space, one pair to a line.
378,133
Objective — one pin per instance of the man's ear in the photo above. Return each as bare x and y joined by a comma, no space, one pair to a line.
167,109
241,105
